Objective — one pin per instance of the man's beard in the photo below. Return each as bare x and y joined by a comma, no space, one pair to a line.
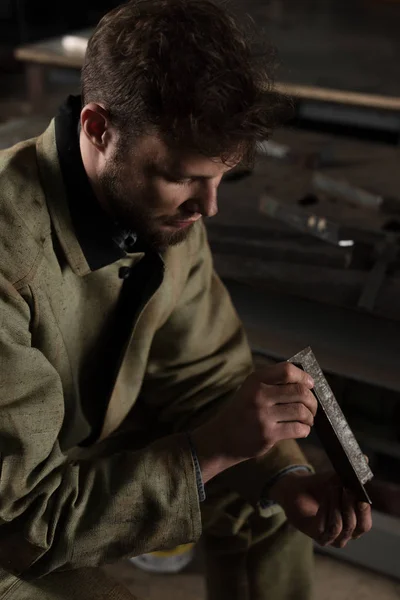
136,216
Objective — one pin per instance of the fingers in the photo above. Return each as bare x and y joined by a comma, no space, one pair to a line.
284,373
364,519
293,412
291,408
349,518
272,405
321,519
293,431
295,392
333,518
341,518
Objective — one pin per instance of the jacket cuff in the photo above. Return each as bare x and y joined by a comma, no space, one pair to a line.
199,478
249,478
192,493
265,501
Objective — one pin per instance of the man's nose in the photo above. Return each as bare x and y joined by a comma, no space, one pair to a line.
206,199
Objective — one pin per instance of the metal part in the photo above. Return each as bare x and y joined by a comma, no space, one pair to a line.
343,189
307,222
275,244
334,432
322,157
354,195
274,149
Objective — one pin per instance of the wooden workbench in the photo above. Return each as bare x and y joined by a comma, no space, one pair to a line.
41,56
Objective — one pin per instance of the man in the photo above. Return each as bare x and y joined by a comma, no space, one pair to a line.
126,378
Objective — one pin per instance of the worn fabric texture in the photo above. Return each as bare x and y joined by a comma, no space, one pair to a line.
251,554
184,354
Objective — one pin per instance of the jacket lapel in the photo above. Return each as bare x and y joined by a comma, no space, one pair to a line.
148,278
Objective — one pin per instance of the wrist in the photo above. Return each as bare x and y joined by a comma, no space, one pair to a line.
282,488
211,458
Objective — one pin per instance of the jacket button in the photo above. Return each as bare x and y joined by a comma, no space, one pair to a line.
130,242
124,272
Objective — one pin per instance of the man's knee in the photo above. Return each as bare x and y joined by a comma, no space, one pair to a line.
82,584
225,514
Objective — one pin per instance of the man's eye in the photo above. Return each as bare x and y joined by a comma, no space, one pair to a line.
177,181
171,178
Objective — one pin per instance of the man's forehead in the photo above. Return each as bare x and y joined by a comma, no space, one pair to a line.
157,152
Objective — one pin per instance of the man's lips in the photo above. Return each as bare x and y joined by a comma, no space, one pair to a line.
184,222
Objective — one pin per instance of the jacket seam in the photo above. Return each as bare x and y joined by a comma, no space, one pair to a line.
60,333
15,584
29,276
30,232
192,516
71,254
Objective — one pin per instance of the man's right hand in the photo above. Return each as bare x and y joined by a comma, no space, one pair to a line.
273,404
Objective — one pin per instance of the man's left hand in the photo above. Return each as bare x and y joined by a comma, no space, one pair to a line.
321,508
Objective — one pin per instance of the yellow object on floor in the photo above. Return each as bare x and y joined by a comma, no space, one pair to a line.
166,561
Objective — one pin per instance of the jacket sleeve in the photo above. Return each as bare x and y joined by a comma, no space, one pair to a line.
58,514
198,360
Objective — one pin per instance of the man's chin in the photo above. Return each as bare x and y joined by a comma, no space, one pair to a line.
169,236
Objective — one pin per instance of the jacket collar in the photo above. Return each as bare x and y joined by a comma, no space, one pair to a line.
88,237
56,198
93,227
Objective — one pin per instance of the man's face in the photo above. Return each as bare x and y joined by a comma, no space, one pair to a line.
158,192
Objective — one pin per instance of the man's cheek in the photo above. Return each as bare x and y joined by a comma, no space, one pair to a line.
168,201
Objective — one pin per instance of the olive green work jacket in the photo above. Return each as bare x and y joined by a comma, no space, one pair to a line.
185,353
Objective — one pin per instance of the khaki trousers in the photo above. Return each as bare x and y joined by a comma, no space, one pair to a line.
253,557
248,557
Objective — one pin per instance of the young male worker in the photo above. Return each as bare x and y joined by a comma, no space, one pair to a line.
126,378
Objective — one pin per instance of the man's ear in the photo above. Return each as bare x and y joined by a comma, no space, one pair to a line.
95,123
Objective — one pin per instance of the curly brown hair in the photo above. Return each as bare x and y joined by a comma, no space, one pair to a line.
187,70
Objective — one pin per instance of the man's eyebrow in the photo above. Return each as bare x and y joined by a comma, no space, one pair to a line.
175,170
177,173
181,175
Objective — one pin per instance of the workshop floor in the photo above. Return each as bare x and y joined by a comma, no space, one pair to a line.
334,580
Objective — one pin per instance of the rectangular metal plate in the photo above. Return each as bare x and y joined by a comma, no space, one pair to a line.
303,221
334,432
